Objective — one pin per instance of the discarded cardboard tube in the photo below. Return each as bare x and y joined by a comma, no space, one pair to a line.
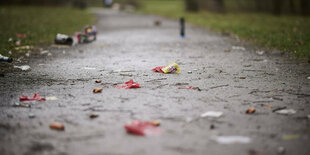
5,59
63,39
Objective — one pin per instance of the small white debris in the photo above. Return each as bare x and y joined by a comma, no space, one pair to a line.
212,114
49,54
125,74
232,139
281,150
10,52
10,40
238,48
195,69
18,42
89,68
63,52
27,54
51,98
31,115
23,67
189,72
44,52
286,111
308,77
260,52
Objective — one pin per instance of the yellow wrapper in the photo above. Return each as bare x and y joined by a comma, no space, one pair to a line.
172,68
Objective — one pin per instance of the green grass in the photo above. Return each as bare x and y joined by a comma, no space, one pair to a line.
40,24
286,33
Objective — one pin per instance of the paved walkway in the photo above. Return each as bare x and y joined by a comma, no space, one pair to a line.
128,47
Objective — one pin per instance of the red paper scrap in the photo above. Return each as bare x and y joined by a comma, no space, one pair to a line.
20,35
142,128
129,84
194,88
158,69
35,97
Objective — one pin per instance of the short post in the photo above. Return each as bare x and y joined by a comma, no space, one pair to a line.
182,27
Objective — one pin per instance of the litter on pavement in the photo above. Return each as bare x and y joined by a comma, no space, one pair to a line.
89,68
158,69
89,35
31,115
250,111
156,123
129,84
142,128
21,35
93,116
23,67
193,88
214,114
171,68
22,105
35,97
51,98
232,139
26,47
63,39
97,90
98,81
57,126
157,22
286,111
238,48
291,137
5,59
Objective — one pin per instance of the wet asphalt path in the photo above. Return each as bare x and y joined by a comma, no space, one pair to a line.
128,47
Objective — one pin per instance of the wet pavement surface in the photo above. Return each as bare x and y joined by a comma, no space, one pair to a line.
128,47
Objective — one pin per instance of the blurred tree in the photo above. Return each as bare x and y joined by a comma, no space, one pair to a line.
191,5
217,5
305,9
277,6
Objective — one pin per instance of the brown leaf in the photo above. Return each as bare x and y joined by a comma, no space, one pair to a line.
57,126
250,111
98,81
97,90
93,115
156,123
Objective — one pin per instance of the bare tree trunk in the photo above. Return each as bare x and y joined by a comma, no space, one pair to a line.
292,6
277,6
305,9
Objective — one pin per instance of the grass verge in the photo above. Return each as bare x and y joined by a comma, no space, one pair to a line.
40,24
286,33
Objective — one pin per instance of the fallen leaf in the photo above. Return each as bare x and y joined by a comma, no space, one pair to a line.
93,115
142,128
156,123
268,106
215,114
250,111
98,81
129,84
97,90
57,126
35,97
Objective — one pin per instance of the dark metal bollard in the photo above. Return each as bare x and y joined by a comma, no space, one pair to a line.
182,27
